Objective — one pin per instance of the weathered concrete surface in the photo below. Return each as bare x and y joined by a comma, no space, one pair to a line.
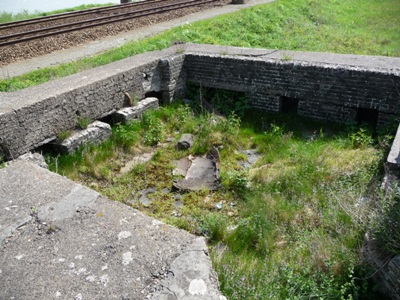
393,159
60,240
191,282
202,174
96,133
127,114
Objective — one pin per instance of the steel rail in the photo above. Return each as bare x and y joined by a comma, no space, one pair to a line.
73,14
102,21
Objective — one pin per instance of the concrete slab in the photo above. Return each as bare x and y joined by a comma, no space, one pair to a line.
61,240
202,174
393,159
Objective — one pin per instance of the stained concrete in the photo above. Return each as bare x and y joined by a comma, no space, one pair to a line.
61,240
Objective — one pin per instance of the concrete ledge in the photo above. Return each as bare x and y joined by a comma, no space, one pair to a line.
127,114
61,240
96,133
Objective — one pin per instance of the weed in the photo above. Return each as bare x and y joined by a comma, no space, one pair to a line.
83,122
236,181
286,57
64,134
361,138
180,50
153,129
51,229
126,135
223,101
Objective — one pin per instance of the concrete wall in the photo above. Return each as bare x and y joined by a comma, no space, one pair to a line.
332,88
326,86
34,116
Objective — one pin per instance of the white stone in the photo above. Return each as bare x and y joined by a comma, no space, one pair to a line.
197,287
91,278
127,258
19,257
124,235
104,280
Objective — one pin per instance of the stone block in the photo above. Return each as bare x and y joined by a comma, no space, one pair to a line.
96,133
127,114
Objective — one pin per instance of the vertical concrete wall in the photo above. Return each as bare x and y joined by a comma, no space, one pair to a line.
331,88
174,77
34,116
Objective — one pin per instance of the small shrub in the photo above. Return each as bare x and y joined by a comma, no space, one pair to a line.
286,57
213,227
361,138
231,124
126,135
153,130
236,181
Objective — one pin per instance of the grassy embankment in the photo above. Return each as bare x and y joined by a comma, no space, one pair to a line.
352,26
6,17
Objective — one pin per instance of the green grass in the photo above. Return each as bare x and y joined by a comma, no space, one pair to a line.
6,17
367,27
289,227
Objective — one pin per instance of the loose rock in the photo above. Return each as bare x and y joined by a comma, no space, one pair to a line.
185,142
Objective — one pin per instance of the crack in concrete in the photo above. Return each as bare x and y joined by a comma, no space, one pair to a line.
8,231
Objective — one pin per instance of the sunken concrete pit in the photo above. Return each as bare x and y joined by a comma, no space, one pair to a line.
61,240
326,86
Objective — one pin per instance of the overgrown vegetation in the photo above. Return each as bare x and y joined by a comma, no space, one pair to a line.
289,227
352,26
6,17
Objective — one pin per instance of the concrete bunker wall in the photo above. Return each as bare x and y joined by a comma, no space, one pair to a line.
323,86
317,90
34,116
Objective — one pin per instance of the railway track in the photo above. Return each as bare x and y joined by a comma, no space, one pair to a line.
26,39
136,10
